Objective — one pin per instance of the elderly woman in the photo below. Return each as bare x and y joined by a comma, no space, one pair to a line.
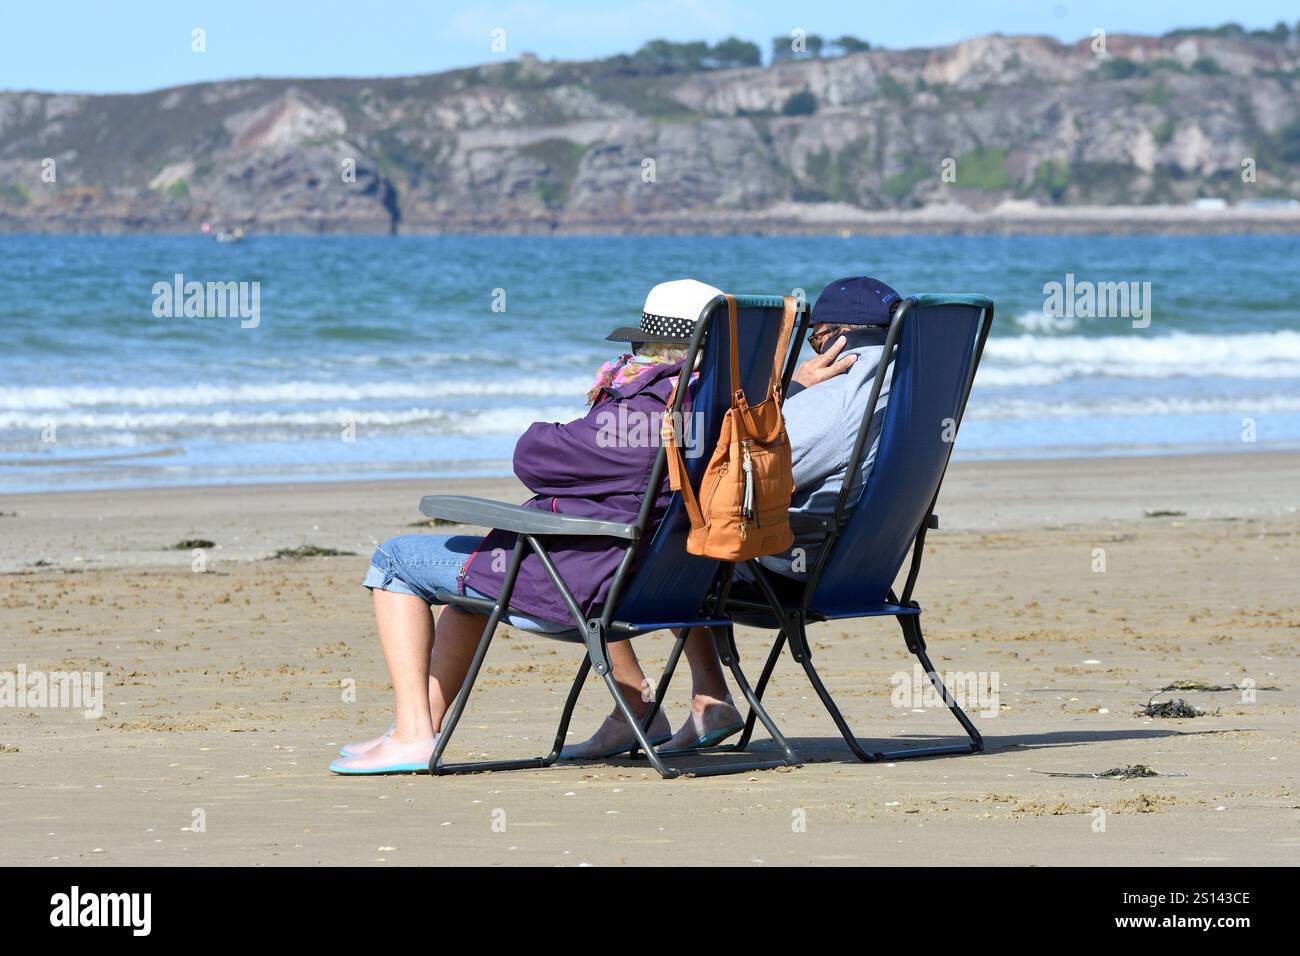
572,468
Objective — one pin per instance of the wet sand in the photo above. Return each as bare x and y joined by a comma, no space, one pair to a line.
224,674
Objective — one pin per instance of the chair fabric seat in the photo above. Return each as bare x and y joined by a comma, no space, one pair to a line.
936,342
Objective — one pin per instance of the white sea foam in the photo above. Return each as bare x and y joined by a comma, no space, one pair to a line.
234,425
986,408
1043,360
420,359
1036,320
1022,360
1007,388
199,394
511,419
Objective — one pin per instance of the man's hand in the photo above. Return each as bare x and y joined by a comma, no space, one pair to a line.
821,367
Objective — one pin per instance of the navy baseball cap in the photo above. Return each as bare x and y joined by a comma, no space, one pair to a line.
857,300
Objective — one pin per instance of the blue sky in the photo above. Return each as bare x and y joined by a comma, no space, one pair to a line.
132,45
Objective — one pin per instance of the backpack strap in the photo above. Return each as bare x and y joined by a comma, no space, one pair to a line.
782,343
737,385
738,400
677,478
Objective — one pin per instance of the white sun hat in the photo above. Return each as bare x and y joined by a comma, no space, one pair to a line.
670,314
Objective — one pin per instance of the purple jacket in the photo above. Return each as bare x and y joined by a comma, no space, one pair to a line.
575,469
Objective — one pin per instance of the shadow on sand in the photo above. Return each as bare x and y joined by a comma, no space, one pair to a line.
832,749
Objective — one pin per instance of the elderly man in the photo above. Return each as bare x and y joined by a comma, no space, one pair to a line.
823,411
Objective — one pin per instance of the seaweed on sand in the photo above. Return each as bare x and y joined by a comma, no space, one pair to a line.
189,544
1207,688
308,551
1174,708
1131,772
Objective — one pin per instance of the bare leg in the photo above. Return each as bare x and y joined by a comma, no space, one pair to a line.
458,635
357,747
406,636
713,716
406,626
707,679
631,680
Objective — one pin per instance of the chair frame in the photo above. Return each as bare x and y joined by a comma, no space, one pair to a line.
532,527
792,621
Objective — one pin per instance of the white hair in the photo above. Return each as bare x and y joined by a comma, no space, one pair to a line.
666,352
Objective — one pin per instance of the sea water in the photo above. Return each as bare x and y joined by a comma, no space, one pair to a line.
403,356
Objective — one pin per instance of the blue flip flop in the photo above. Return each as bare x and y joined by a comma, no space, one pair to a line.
379,771
706,740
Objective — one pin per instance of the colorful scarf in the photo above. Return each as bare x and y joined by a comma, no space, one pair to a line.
622,371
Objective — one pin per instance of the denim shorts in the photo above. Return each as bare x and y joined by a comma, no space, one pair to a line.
422,564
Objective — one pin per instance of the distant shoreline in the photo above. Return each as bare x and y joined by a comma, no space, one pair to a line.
499,475
788,219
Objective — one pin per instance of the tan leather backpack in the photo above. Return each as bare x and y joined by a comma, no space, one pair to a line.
743,508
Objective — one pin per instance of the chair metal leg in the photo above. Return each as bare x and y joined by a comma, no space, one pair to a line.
773,656
794,632
664,679
597,656
912,632
911,626
452,718
644,745
727,650
453,715
583,669
976,741
639,727
802,653
524,763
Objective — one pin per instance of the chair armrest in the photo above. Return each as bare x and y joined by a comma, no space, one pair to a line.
486,513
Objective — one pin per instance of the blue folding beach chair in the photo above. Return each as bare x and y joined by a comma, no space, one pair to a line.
658,584
939,340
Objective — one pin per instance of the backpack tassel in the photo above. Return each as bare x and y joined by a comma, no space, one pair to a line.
747,506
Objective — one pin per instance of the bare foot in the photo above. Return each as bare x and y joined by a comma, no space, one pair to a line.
616,737
711,722
358,747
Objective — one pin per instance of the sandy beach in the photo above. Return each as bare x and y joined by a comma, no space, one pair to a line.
226,672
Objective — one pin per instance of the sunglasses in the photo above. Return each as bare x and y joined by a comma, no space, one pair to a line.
818,337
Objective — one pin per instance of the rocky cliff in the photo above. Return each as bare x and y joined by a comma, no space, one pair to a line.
532,145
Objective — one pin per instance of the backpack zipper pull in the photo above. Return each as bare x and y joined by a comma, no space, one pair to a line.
747,504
